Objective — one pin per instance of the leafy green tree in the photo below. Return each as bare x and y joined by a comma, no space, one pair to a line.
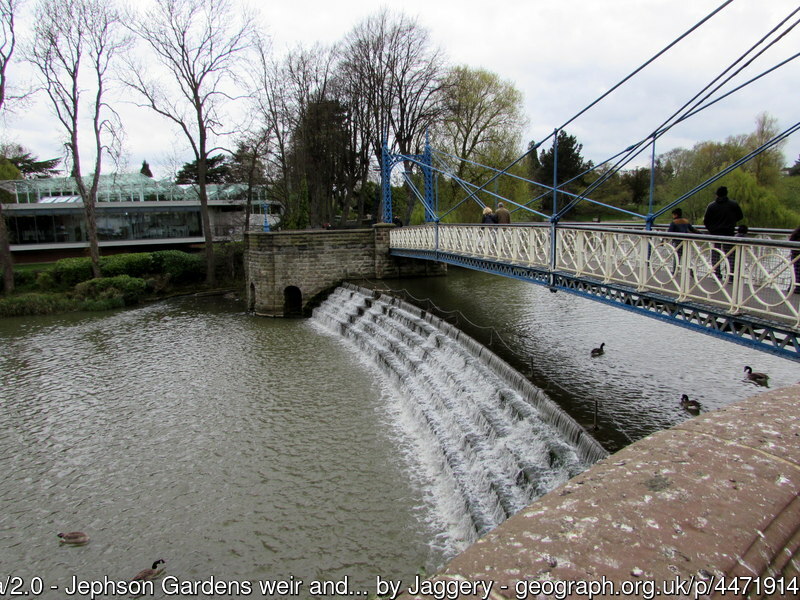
482,121
638,183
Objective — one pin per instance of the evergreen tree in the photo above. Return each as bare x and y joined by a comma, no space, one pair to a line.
218,170
570,165
29,166
145,170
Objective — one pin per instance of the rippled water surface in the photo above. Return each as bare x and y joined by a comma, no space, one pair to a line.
636,385
231,446
245,448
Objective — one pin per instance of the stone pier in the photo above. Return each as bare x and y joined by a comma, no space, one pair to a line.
287,270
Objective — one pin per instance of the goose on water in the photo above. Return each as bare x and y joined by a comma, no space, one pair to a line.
598,351
74,537
693,406
151,573
758,378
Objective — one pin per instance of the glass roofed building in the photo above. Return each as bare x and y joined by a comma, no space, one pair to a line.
46,215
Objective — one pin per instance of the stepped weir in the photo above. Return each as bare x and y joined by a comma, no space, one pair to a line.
497,440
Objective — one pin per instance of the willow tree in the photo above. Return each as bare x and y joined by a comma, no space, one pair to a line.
8,42
75,43
197,43
482,122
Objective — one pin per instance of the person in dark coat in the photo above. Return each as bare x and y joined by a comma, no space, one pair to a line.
720,219
502,214
680,224
488,216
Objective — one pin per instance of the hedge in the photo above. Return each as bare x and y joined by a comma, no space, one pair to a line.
128,289
134,264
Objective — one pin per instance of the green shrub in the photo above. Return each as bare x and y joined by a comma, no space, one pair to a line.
45,281
122,287
24,278
68,272
35,304
182,267
134,264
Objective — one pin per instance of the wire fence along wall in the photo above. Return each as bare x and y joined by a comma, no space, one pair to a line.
433,162
757,277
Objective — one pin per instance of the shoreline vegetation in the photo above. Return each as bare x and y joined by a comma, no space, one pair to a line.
127,280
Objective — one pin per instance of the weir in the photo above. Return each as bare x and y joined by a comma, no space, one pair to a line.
498,440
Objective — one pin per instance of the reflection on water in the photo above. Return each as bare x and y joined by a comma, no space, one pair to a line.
228,445
637,383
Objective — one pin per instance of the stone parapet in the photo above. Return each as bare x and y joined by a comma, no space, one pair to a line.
705,506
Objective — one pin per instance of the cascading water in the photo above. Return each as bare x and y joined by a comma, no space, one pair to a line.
491,441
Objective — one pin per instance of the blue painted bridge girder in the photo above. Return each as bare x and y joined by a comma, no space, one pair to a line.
760,334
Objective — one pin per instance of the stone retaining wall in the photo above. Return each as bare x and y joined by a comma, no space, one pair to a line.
288,269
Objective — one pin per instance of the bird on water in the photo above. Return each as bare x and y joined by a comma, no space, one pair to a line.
76,538
693,406
757,378
598,351
151,573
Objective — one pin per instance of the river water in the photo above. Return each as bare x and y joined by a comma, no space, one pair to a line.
249,449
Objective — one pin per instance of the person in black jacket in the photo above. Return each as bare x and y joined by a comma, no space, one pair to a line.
720,219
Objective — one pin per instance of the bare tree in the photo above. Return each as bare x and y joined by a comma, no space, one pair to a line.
396,74
75,43
8,43
198,42
282,92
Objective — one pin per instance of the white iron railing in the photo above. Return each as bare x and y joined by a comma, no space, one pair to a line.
737,275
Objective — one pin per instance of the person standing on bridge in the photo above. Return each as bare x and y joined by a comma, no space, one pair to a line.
488,216
503,216
720,219
795,237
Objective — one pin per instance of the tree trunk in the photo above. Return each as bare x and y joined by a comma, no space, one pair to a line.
211,276
6,261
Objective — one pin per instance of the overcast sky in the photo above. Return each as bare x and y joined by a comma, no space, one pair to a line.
561,54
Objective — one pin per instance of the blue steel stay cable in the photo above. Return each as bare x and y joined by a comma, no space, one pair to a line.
676,117
603,96
647,63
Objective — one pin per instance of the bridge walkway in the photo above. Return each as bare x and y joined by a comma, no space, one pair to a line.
742,289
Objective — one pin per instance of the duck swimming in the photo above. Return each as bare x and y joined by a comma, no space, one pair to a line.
757,378
76,538
598,351
693,406
151,573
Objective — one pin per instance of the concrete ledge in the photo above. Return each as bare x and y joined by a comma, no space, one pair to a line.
714,497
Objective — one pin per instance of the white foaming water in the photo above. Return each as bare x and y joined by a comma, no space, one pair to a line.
482,441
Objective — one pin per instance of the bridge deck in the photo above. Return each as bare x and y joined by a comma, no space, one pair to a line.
743,289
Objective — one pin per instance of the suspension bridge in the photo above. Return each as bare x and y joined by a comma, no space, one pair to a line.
741,289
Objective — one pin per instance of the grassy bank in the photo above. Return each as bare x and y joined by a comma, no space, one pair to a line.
127,280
